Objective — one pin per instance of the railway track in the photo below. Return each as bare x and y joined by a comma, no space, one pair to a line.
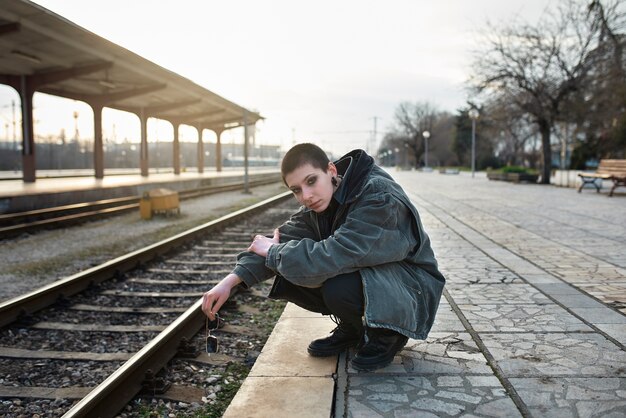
13,224
89,344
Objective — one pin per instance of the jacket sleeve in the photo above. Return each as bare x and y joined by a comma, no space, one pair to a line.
377,230
251,267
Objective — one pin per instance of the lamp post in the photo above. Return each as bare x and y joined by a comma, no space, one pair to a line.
406,156
473,114
426,135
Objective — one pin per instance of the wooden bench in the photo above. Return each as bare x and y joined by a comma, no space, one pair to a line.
614,170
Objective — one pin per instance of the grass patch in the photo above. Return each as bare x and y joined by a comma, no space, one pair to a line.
270,312
232,380
148,411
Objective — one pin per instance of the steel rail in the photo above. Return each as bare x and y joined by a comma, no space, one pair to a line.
109,397
12,309
62,215
23,217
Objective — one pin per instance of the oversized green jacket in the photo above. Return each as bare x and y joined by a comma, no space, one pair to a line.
378,232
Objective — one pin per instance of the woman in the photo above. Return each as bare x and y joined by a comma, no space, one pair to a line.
356,249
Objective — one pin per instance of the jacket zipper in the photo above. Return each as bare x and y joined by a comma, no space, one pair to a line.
317,227
338,214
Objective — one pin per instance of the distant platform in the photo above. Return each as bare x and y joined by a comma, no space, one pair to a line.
57,189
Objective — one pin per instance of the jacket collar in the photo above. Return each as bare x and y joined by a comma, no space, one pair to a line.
355,168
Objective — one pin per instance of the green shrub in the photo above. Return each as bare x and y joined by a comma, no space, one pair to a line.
514,169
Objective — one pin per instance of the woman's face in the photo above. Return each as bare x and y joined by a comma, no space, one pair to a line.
311,186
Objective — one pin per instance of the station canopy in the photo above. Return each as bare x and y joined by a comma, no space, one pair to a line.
68,61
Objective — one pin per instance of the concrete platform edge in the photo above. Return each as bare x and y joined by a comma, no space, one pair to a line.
285,381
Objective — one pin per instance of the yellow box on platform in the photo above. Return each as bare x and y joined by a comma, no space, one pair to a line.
145,207
159,201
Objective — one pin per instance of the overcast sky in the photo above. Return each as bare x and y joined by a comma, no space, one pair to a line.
317,70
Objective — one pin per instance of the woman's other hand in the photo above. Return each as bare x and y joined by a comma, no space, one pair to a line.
261,244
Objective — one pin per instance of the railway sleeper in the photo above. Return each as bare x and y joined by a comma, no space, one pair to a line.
24,319
187,349
153,384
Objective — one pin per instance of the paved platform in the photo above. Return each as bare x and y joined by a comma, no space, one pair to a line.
15,195
533,322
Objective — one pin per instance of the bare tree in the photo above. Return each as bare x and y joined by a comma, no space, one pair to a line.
538,67
410,121
510,129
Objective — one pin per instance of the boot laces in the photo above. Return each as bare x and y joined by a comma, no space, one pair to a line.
336,320
342,327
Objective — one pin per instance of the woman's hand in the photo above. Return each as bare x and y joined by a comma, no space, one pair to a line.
261,244
213,300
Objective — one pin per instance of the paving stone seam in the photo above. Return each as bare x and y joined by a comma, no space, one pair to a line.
581,215
540,214
506,380
541,332
551,372
601,263
419,373
424,206
582,251
553,299
341,388
477,209
491,361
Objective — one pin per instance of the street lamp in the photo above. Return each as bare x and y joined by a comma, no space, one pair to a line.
473,114
426,135
406,156
387,157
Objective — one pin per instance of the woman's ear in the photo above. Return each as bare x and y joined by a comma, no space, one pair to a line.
332,169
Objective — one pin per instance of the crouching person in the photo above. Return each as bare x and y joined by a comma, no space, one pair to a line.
355,250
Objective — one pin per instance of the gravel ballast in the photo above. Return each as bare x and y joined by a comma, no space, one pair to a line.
32,261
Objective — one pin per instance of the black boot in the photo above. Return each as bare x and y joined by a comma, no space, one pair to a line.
381,345
342,337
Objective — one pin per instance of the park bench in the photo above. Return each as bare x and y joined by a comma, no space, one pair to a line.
614,170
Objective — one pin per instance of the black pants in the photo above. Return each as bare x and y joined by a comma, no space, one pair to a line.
341,296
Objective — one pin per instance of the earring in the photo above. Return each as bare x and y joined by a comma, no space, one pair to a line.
334,181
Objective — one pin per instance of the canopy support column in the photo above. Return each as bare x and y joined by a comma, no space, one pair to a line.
26,92
143,152
98,151
246,146
218,150
200,150
176,150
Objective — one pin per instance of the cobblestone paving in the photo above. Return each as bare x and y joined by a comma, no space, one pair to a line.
533,322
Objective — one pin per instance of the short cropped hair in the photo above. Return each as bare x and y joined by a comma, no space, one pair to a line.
302,154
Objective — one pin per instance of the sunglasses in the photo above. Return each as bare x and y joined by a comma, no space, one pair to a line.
211,340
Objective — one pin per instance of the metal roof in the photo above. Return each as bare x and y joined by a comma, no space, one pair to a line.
71,62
